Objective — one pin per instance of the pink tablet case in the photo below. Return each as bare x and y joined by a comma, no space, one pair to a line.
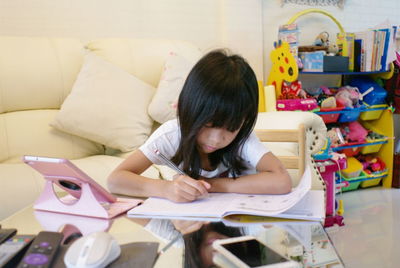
92,200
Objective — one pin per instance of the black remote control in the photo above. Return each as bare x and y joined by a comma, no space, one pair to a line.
13,249
42,250
6,233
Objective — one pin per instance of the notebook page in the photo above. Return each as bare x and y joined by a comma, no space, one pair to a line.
266,205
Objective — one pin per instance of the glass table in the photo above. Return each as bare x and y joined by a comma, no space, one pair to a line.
302,241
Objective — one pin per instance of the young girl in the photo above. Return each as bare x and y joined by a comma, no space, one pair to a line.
211,140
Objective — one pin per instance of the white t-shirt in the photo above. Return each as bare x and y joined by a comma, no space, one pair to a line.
166,139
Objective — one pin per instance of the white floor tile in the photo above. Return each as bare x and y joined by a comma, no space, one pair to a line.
371,233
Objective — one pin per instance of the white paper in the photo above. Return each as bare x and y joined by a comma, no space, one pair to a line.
218,205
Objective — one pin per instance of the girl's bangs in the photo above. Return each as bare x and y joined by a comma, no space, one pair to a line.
229,114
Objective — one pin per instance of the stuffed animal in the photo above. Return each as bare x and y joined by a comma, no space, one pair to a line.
333,50
322,39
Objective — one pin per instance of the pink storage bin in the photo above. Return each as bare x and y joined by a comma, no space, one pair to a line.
327,169
296,104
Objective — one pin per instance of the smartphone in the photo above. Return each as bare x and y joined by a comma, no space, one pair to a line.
67,176
246,252
7,233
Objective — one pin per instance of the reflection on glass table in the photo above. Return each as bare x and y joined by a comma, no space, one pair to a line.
300,241
147,240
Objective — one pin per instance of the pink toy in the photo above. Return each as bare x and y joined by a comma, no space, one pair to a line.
296,104
326,91
357,132
332,220
327,169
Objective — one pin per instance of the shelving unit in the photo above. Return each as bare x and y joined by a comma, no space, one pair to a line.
382,125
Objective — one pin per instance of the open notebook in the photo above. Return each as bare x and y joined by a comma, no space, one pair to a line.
301,203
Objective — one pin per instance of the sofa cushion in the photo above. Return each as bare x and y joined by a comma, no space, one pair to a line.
107,105
20,187
29,133
144,58
177,67
37,73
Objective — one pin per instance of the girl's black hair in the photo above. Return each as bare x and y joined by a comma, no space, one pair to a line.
220,90
193,241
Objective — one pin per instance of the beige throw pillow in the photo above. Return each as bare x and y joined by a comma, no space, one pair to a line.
177,67
107,105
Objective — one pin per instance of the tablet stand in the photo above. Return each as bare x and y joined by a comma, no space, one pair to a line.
54,222
86,205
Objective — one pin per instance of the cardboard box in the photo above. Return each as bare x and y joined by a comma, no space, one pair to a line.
313,61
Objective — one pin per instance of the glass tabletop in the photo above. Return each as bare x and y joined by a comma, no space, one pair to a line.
189,243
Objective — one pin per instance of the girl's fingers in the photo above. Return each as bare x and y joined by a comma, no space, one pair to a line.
198,186
206,184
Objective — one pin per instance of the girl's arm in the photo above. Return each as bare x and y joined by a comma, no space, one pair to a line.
126,180
271,178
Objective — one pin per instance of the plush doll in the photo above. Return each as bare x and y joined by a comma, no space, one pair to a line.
333,50
335,135
322,39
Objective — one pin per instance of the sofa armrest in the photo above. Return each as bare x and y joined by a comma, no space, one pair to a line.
315,135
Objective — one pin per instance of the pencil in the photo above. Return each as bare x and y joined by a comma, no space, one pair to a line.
172,165
170,243
169,162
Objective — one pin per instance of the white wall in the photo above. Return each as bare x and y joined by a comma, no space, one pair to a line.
238,24
207,23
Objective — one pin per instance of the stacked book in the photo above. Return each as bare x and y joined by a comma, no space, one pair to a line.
371,50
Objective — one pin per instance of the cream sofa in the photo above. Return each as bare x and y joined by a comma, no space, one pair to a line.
36,77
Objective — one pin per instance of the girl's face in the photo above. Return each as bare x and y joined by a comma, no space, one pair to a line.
206,249
211,139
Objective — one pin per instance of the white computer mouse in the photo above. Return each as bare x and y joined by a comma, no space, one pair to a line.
94,250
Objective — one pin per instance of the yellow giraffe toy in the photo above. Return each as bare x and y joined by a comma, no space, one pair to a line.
284,66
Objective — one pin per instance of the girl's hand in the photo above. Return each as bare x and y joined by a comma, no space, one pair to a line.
187,227
186,189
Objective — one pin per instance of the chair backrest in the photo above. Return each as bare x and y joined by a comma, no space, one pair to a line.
287,135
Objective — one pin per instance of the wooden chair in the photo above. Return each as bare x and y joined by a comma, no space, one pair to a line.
287,135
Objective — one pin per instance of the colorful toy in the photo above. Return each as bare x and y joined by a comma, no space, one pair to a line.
284,67
291,90
329,102
348,96
356,132
325,152
335,135
372,164
296,104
